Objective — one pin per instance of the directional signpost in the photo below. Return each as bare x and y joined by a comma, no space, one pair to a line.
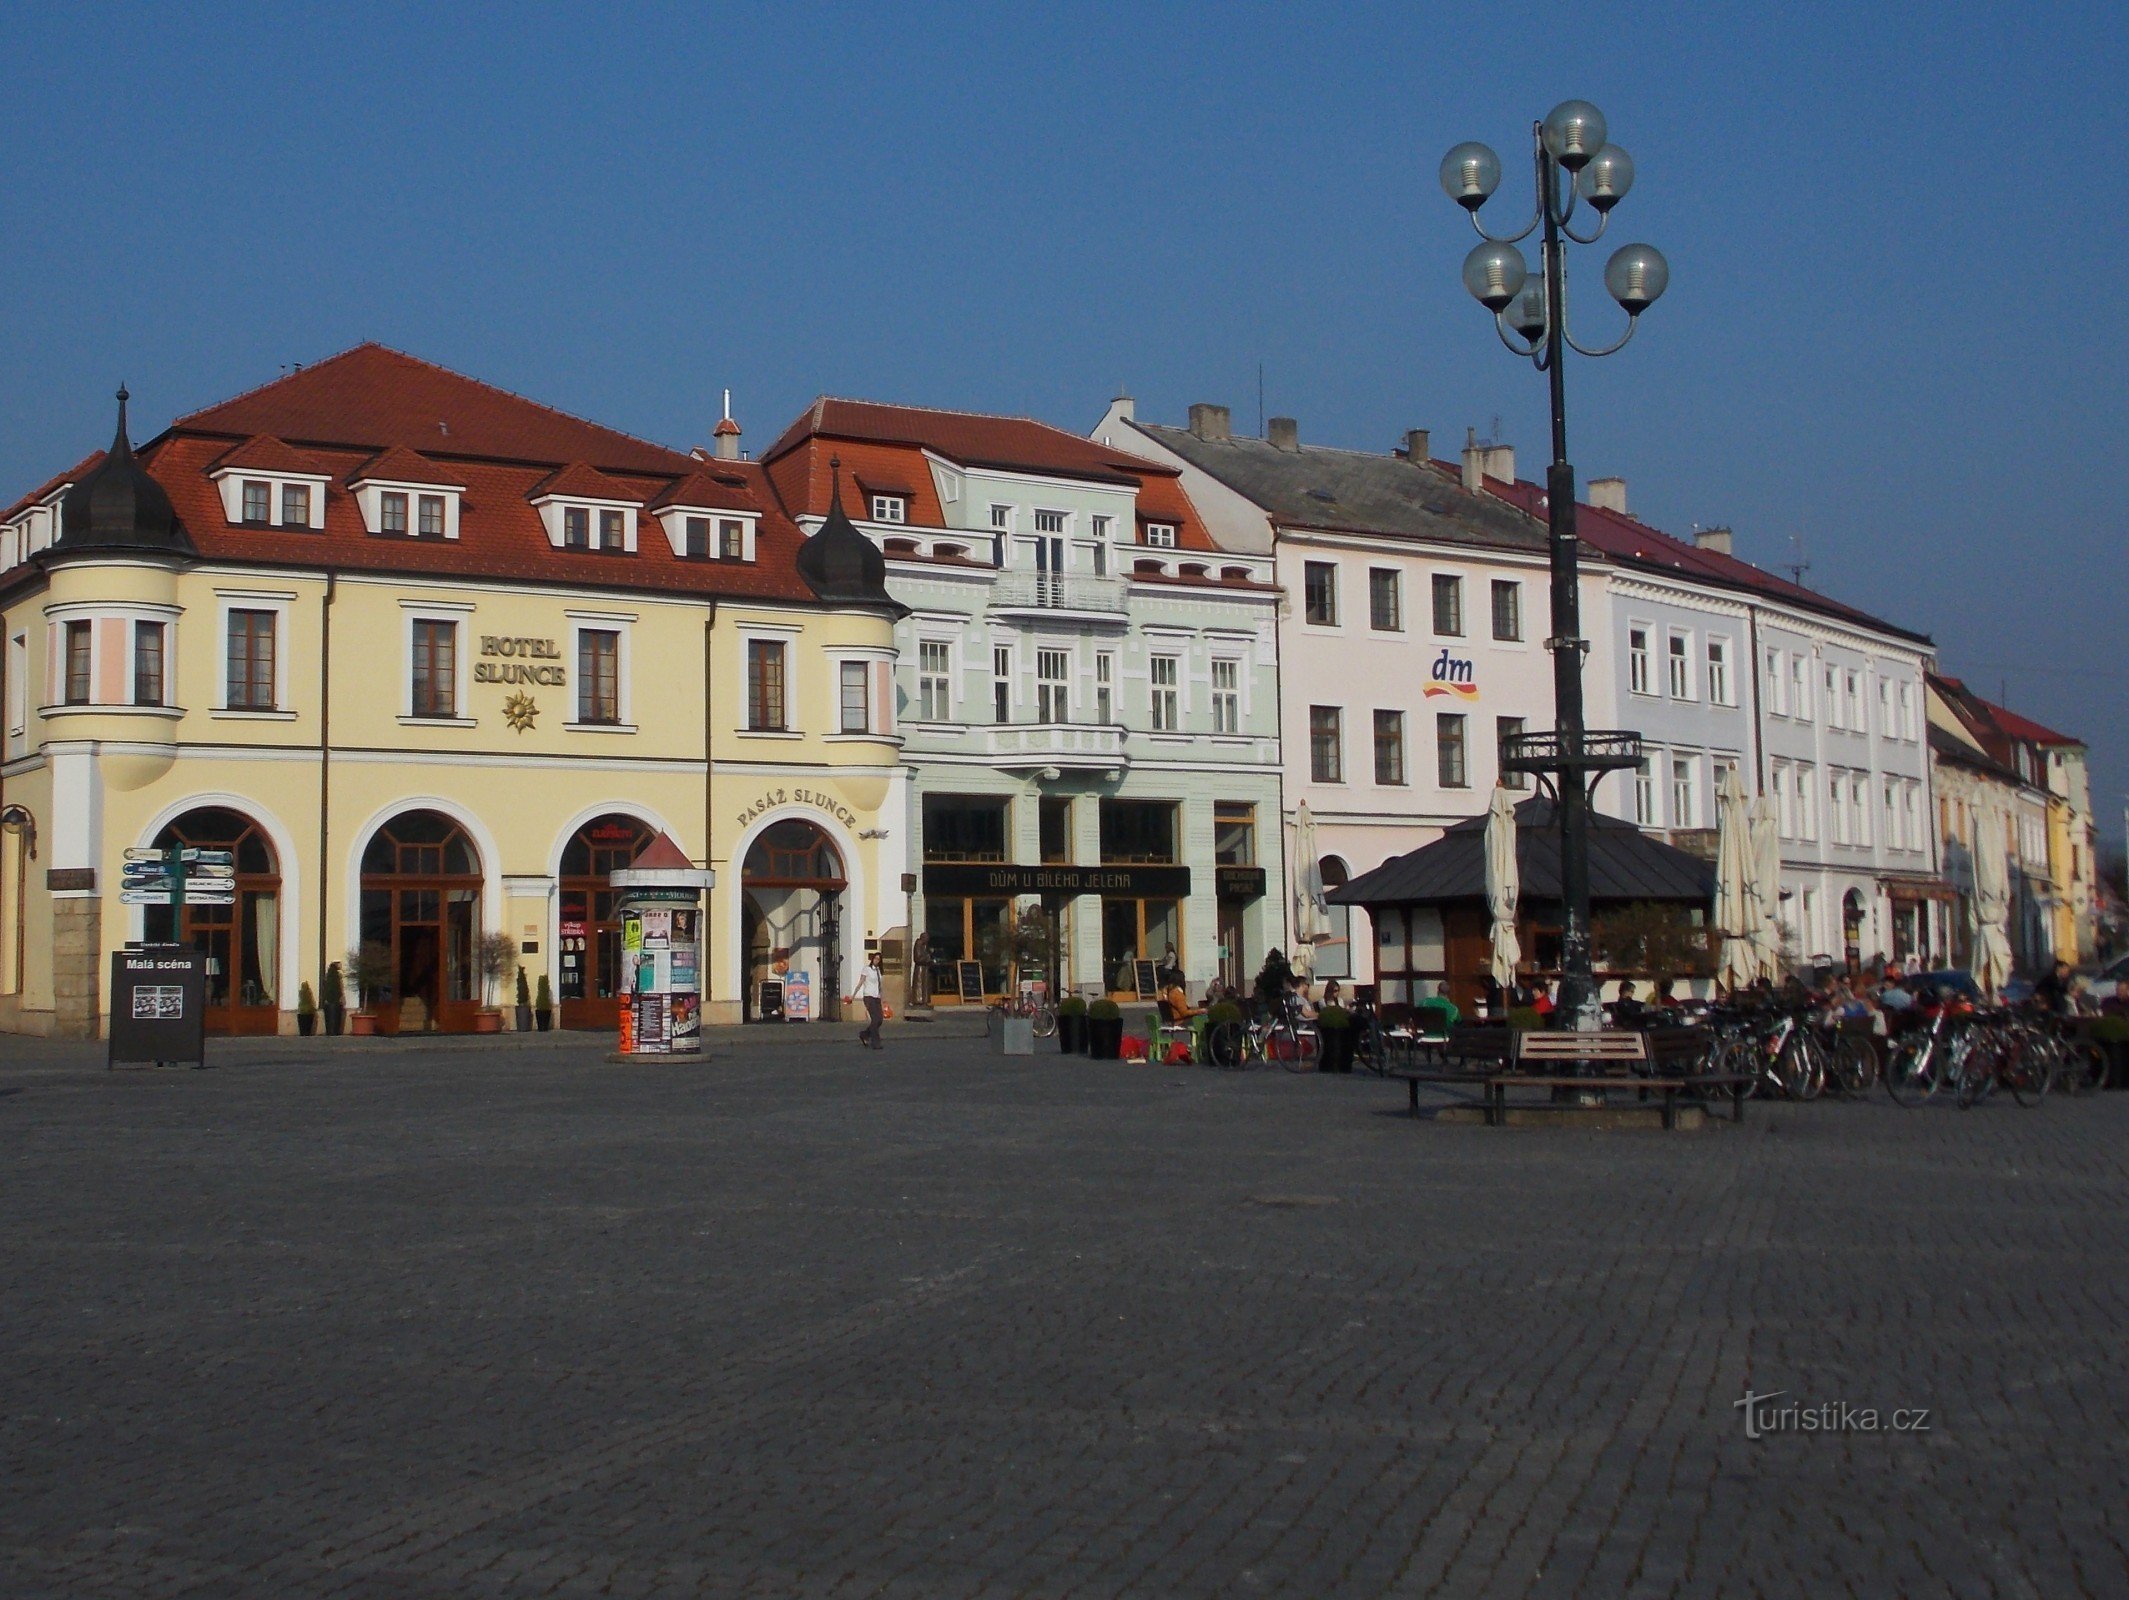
178,877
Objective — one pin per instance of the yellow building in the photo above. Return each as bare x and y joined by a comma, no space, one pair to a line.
434,660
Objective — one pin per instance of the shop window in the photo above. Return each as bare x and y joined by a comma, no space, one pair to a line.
1138,832
966,827
1234,834
765,685
148,663
1056,827
242,941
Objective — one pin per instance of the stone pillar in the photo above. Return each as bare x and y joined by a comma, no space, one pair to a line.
77,955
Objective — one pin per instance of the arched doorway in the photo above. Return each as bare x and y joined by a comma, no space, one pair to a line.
421,898
591,978
242,941
792,884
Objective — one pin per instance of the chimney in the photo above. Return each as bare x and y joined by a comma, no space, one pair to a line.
1500,462
1418,449
1608,494
1474,462
1283,433
1715,539
1210,422
724,442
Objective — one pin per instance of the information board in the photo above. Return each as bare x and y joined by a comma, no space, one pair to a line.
1148,980
771,1008
158,1005
969,974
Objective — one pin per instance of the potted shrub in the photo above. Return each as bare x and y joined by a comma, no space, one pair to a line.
1105,1030
1334,1039
524,1003
2111,1035
370,965
306,1010
494,953
334,1005
1071,1025
543,1008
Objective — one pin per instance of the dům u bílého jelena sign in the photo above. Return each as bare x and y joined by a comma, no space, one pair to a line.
981,878
508,660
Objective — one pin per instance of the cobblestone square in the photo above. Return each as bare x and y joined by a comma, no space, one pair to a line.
495,1320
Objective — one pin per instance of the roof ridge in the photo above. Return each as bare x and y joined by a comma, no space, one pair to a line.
954,411
1390,456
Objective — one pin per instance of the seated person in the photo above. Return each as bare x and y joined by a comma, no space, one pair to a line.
1627,1012
1298,1002
1437,1014
1177,1000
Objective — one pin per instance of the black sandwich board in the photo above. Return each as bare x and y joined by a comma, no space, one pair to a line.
969,974
1149,980
159,1005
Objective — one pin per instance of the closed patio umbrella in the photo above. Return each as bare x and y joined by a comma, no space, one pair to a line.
1766,891
1736,907
1504,882
1310,923
1992,901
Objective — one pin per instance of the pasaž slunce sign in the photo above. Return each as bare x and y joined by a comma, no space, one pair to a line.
509,660
772,798
1129,882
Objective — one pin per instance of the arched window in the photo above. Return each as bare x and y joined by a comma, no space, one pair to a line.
242,940
421,894
589,959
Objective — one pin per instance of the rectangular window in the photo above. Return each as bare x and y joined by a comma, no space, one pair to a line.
1680,655
1852,699
147,663
1800,687
1507,609
854,683
1833,699
731,541
1836,808
1001,684
1054,822
1166,675
1326,754
392,511
1448,605
1386,611
1319,593
1227,696
1807,803
80,643
935,699
1777,685
598,675
1104,687
435,667
430,509
1505,729
1907,711
1161,535
1101,528
765,685
1886,725
610,535
1390,747
1644,795
295,505
889,508
1894,834
1911,804
258,501
1049,522
1002,517
1637,667
1682,791
1051,667
1859,805
18,684
1719,672
1138,832
576,527
1234,834
1449,757
251,661
965,827
696,541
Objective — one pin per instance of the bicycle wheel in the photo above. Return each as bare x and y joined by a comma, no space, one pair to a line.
1370,1051
1855,1066
2028,1073
1910,1074
1801,1075
1976,1076
1226,1045
1287,1047
2084,1068
1045,1019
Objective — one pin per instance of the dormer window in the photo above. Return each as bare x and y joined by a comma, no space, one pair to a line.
258,502
576,527
1161,535
431,510
262,476
610,530
403,494
889,508
295,505
698,539
392,511
732,540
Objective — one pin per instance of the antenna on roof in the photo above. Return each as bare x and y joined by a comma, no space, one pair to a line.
1800,565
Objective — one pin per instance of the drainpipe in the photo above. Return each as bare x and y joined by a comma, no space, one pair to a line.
325,760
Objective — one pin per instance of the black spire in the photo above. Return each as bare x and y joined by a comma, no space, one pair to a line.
839,563
117,506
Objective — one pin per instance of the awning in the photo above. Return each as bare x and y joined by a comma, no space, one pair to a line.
1624,864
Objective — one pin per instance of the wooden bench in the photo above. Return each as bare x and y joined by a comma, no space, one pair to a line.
1610,1051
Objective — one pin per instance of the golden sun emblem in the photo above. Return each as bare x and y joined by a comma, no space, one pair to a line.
520,711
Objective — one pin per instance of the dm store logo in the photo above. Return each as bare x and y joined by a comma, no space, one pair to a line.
1453,675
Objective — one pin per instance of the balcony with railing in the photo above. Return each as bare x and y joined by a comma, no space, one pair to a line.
1053,594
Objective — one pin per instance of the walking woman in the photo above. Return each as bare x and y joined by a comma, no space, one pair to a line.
868,990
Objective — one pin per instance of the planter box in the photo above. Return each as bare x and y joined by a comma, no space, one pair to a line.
306,1023
1016,1036
487,1022
1105,1038
1334,1050
362,1025
1071,1033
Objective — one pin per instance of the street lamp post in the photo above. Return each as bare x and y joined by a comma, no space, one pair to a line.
1575,166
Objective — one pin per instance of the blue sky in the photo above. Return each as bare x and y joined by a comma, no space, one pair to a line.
1895,330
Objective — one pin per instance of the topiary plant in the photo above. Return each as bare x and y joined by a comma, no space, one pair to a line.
1104,1011
306,1002
1334,1017
524,990
1072,1005
1222,1011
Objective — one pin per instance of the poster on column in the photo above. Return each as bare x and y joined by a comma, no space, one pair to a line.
686,1032
798,996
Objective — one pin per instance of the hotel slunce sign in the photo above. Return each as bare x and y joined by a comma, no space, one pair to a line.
508,660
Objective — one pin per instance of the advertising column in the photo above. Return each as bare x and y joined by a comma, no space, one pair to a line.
659,901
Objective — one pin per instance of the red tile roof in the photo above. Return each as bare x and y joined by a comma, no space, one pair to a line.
579,482
704,492
50,486
264,453
2022,727
401,465
1019,444
375,397
1626,538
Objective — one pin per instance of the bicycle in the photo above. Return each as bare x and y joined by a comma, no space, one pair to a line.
1036,1008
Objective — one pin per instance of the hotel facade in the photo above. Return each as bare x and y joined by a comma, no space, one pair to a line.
433,661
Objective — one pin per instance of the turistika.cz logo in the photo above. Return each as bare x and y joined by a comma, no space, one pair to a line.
1763,1417
1453,675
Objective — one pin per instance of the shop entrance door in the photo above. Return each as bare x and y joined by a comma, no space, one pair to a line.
242,942
592,981
792,883
421,893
